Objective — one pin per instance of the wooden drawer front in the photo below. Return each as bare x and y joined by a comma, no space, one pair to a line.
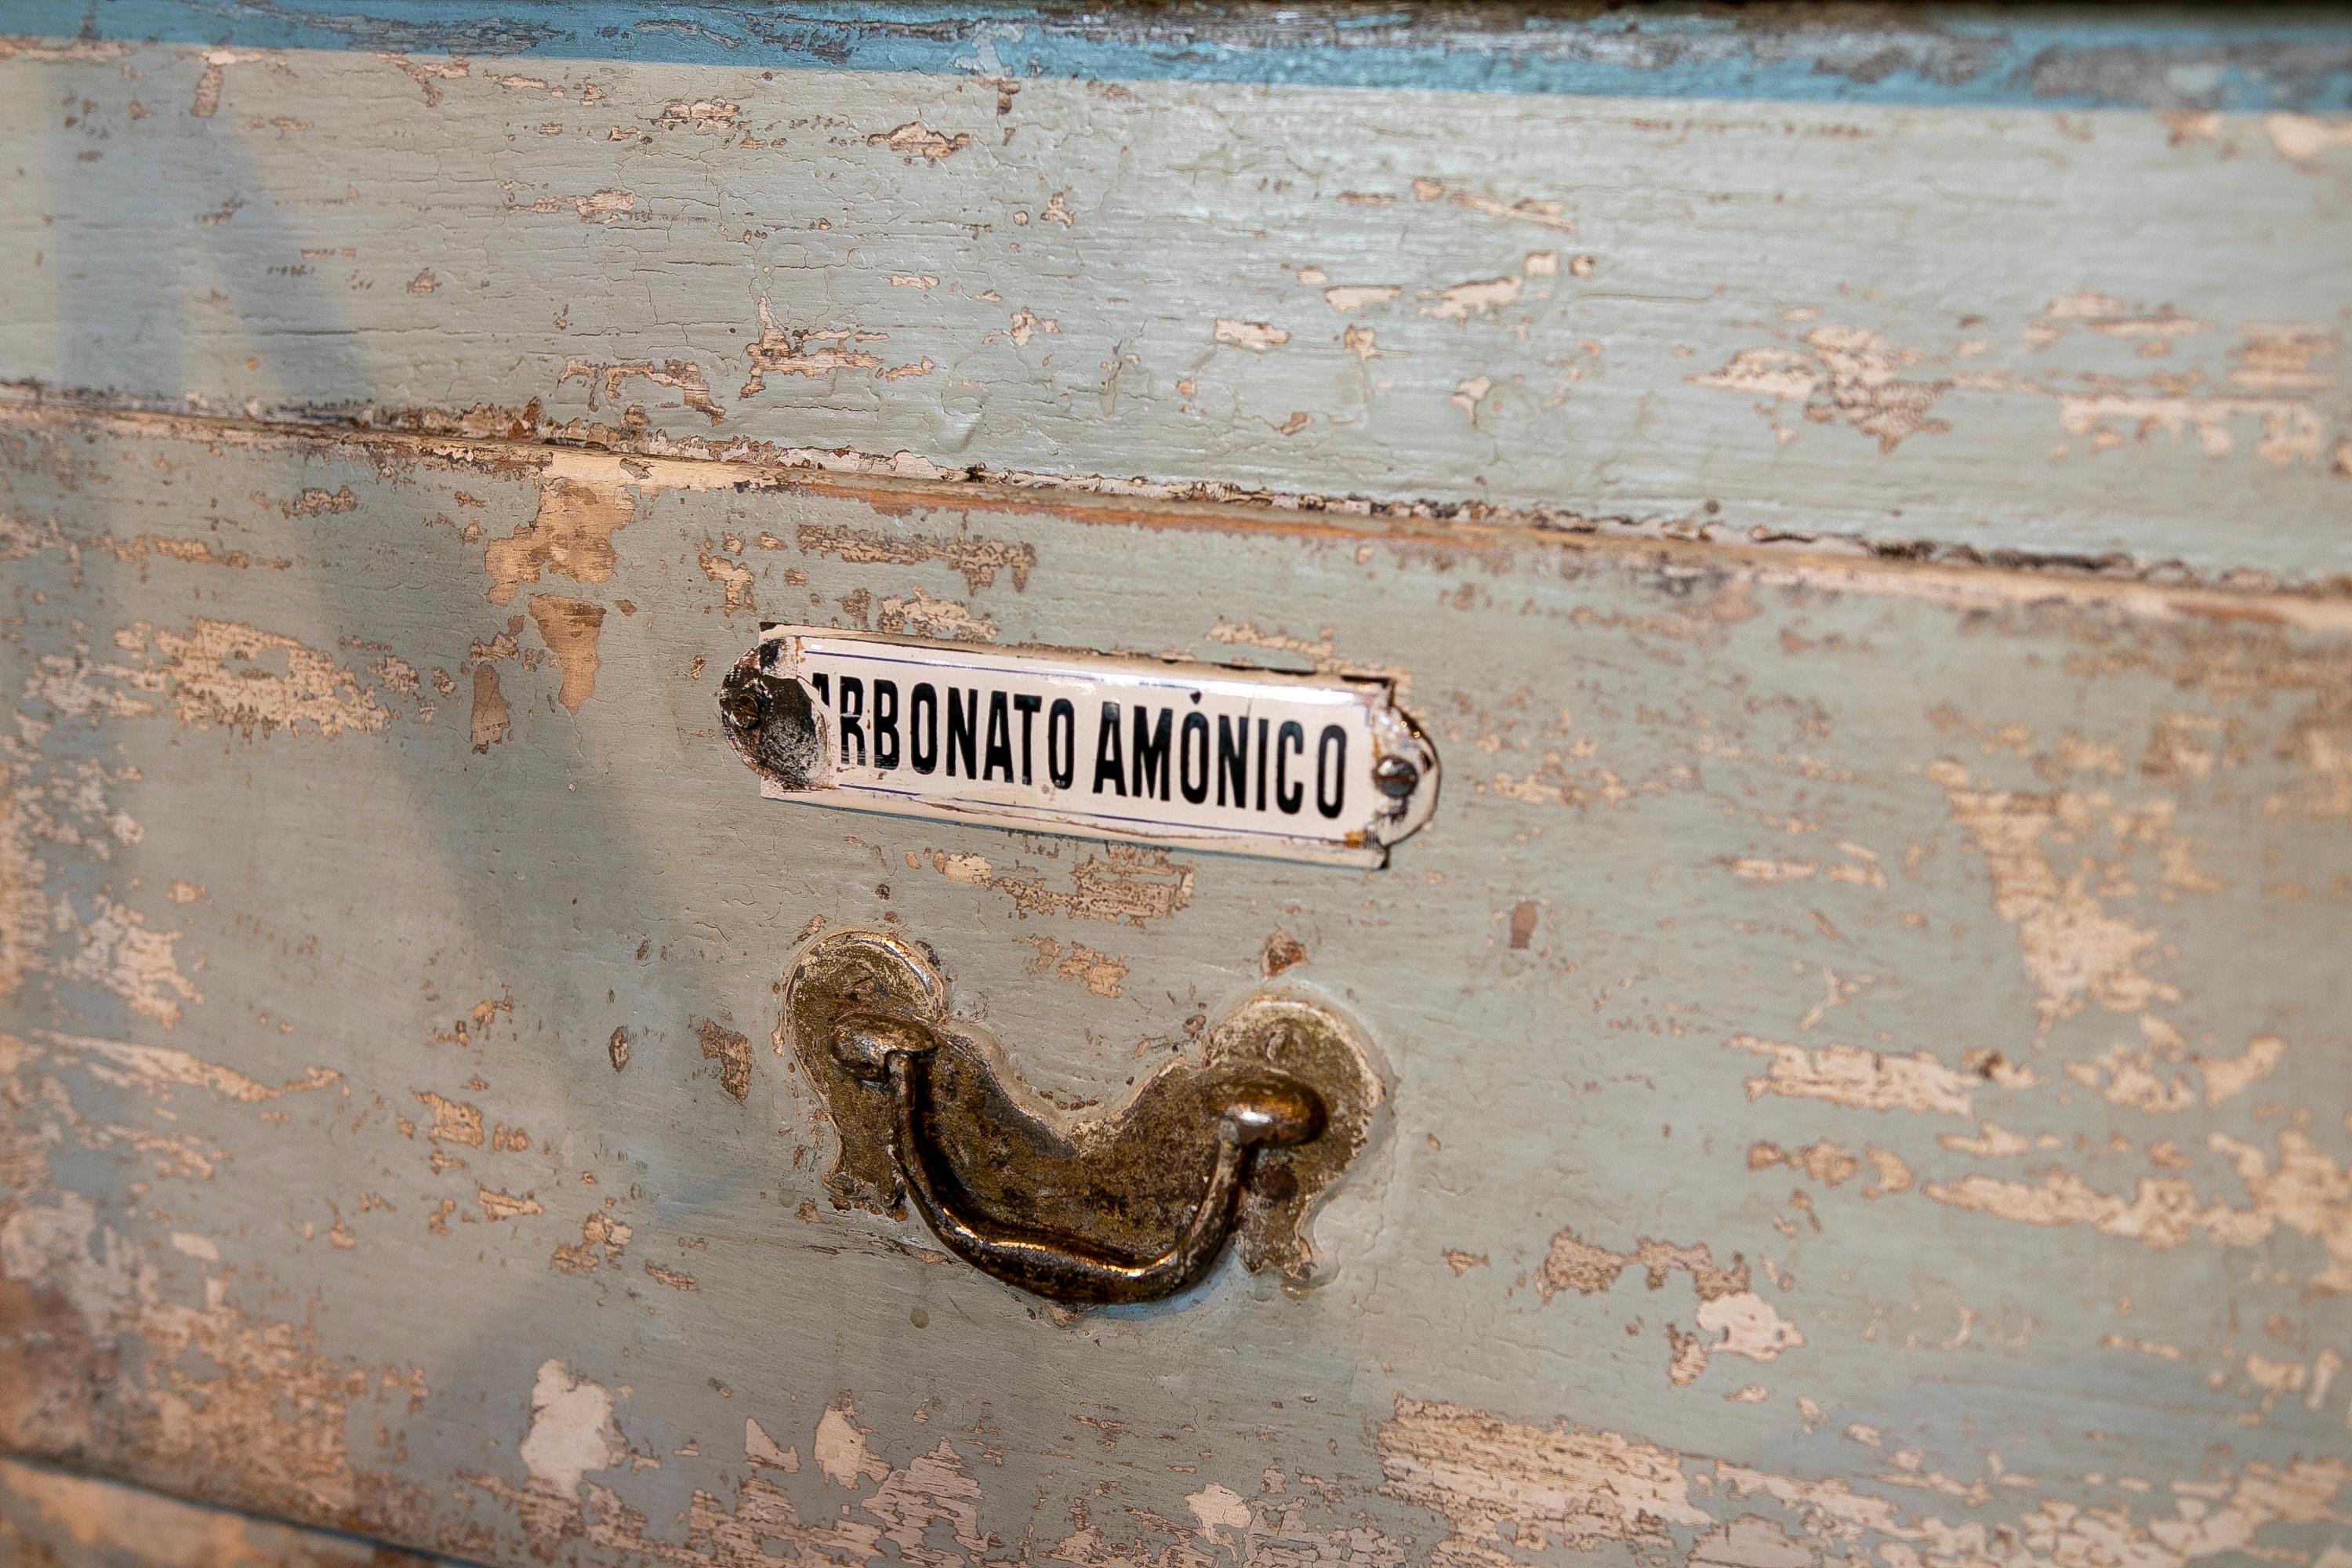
2079,311
1857,505
1844,1024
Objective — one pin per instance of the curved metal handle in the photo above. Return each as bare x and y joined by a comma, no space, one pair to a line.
1255,1110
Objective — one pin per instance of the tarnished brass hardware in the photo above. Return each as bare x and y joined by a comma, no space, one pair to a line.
1254,1111
770,720
1129,1208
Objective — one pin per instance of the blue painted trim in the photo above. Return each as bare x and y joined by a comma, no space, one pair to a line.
1944,57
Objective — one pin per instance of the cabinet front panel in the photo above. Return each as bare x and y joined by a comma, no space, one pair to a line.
2023,285
1860,1044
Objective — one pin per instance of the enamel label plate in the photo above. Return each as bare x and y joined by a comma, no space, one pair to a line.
1204,756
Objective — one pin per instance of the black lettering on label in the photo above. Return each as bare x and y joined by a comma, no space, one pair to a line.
1060,742
1177,757
1110,761
1288,741
1000,737
1232,760
1262,749
923,727
963,723
1192,758
1026,704
850,717
886,724
1331,770
1151,753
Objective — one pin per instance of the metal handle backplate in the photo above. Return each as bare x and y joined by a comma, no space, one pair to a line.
1132,1207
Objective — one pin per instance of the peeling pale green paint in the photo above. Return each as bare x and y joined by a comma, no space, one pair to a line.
1946,56
2113,336
1866,954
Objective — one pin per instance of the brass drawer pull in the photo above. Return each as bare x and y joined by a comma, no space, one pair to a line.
1126,1208
1255,1109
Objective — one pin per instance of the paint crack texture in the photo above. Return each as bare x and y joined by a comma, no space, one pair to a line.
886,416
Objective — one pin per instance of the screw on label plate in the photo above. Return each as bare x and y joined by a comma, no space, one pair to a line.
741,707
771,723
1396,776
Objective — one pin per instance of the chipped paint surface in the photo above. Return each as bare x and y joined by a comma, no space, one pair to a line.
1563,1484
1858,1048
1102,285
571,1433
570,628
242,678
50,1517
569,535
382,1185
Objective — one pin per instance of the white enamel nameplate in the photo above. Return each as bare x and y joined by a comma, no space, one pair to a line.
1160,751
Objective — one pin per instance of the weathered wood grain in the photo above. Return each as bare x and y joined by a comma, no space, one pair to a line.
1864,1042
50,1518
2083,332
2184,57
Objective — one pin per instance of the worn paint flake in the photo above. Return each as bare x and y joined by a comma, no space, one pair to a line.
2074,950
571,535
683,376
220,673
732,1051
1866,1080
491,722
1124,884
1563,1483
570,628
149,1067
1846,375
975,557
